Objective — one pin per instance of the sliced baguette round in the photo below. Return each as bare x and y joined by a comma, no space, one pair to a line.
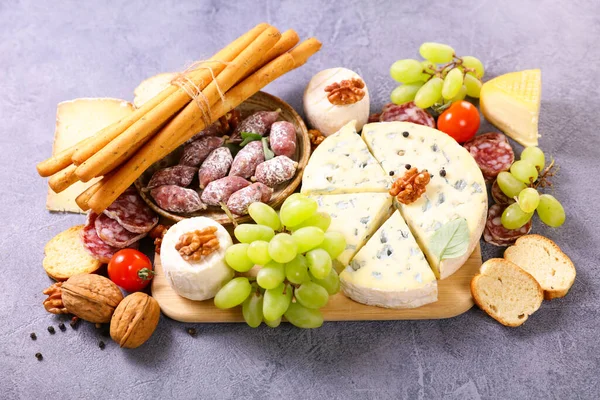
506,292
543,259
65,256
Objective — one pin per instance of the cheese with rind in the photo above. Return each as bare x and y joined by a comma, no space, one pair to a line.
390,270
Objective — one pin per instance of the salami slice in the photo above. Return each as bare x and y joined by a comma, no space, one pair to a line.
492,152
131,212
499,196
113,234
407,112
496,234
374,118
92,242
177,199
179,175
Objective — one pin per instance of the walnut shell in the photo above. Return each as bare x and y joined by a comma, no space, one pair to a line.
91,297
134,320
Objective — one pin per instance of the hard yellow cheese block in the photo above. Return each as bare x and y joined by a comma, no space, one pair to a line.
76,120
512,103
151,87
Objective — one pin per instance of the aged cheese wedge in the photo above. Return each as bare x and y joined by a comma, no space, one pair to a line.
343,164
356,216
151,87
512,103
390,270
461,193
76,120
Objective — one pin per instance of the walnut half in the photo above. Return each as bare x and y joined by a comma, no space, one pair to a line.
348,91
54,304
408,188
197,244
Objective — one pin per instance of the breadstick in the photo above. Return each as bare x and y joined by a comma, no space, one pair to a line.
58,161
83,199
123,147
304,50
167,141
286,42
63,179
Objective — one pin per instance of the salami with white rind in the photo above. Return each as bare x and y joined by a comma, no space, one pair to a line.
215,166
113,234
196,152
177,199
220,190
179,175
496,234
245,162
283,139
492,152
239,201
407,112
275,171
131,212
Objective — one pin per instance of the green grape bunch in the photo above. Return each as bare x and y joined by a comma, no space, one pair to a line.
522,184
295,253
439,80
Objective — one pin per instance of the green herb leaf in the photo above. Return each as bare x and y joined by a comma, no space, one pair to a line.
268,152
249,137
451,240
234,148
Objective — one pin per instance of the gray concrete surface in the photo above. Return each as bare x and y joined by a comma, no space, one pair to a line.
60,50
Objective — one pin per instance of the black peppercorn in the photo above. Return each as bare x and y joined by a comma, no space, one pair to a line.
62,327
405,134
51,330
101,345
39,356
443,172
191,331
392,173
33,336
74,322
407,166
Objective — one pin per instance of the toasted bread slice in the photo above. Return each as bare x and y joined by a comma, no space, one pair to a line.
65,256
506,292
543,259
151,87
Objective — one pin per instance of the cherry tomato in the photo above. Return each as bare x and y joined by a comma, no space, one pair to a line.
130,269
460,121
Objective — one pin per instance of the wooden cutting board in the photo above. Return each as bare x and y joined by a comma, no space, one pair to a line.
454,298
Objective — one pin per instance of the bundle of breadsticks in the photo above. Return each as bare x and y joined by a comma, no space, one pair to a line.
121,152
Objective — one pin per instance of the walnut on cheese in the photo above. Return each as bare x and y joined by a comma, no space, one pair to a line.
335,97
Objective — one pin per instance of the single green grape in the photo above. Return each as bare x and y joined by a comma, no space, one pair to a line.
296,271
276,302
529,199
311,295
550,211
283,248
264,214
514,218
333,243
436,52
233,293
534,155
248,233
308,238
474,63
473,86
406,71
430,93
236,257
405,93
462,93
509,185
273,324
331,283
293,197
258,252
319,263
271,275
303,317
252,309
453,82
524,171
320,220
299,210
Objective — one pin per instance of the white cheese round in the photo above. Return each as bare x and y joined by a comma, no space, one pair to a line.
329,118
199,280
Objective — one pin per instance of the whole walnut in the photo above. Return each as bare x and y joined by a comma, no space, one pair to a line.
134,320
91,297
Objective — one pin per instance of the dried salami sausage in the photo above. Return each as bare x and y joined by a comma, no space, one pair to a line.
276,170
247,159
131,212
196,152
177,199
216,129
179,175
496,234
113,234
259,123
282,139
215,166
239,201
92,242
492,152
407,112
220,190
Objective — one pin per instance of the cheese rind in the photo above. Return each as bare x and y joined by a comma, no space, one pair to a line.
152,86
77,120
342,164
356,216
390,270
460,193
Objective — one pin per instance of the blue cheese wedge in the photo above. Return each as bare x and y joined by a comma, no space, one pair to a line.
457,192
390,270
343,164
356,216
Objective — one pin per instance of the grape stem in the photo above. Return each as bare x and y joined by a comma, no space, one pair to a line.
229,214
441,71
543,179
